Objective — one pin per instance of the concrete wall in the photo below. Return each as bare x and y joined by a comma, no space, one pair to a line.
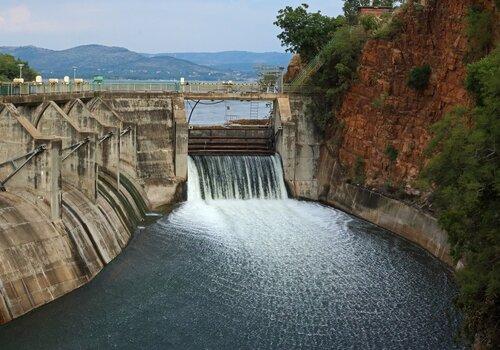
307,149
41,176
78,168
64,216
42,259
398,217
298,143
161,141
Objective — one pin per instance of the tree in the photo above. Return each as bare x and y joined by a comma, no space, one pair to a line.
386,3
9,69
339,44
465,173
305,32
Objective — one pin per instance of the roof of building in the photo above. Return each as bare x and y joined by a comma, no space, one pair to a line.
376,7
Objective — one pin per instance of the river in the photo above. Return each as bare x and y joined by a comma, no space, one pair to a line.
241,266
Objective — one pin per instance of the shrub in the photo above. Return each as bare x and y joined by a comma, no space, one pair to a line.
369,23
319,110
379,102
418,78
480,23
392,153
334,78
482,75
389,29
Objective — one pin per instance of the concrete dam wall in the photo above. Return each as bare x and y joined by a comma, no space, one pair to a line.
94,165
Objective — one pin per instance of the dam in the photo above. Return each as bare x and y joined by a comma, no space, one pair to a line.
238,261
253,271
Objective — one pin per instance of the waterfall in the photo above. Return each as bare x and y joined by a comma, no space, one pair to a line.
235,177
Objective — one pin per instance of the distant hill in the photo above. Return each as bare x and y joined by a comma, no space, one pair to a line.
238,61
121,63
112,62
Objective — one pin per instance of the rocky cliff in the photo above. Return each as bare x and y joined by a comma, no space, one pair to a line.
380,112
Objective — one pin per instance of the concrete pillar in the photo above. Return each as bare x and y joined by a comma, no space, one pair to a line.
47,167
128,150
55,191
181,131
181,149
285,137
87,171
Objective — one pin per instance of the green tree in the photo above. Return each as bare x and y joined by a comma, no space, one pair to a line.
9,69
464,171
305,32
480,29
340,45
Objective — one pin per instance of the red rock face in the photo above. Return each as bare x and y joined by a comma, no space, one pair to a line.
294,68
433,35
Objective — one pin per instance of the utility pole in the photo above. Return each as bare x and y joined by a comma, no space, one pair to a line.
74,73
282,79
20,65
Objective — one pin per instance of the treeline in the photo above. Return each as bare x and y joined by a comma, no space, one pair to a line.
9,69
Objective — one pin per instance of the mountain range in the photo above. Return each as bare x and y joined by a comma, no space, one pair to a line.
121,63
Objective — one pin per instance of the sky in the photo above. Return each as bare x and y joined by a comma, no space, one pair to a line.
149,26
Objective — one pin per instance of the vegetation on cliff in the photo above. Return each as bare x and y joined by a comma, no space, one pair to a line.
9,69
480,31
464,172
338,41
418,77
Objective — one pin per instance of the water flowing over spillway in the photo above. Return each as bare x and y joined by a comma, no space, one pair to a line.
230,177
240,266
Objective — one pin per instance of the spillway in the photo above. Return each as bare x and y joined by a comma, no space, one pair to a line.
235,177
241,266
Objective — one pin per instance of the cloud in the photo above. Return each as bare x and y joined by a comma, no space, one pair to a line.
18,19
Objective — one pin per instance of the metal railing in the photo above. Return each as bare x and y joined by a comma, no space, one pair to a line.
11,89
15,89
31,88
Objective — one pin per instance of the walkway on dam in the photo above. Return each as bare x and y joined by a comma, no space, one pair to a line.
188,88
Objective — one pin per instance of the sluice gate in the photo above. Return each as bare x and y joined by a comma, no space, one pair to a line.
231,140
